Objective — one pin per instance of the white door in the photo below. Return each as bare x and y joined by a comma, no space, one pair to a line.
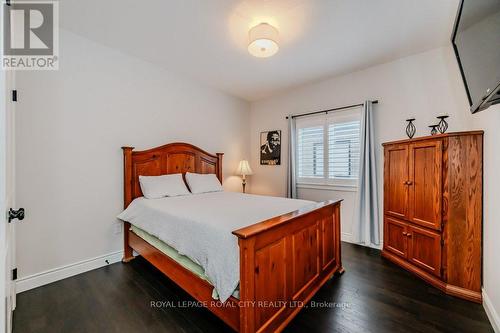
7,238
7,244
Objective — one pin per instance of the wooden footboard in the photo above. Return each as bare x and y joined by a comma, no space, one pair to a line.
284,261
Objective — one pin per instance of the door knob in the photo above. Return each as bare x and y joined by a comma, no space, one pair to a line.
16,214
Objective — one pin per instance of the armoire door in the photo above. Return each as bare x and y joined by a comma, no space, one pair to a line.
396,173
395,239
424,249
425,185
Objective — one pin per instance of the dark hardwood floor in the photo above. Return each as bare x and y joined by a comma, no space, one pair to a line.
372,296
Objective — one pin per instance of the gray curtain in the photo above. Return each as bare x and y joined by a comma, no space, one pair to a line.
291,180
366,224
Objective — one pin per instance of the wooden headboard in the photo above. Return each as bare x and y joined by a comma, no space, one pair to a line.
171,158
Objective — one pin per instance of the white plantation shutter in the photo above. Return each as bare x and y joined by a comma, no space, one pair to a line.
343,153
310,152
328,148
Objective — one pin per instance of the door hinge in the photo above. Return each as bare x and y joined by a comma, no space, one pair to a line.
442,242
14,95
14,274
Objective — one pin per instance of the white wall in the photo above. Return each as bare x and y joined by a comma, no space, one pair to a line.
489,120
421,86
71,124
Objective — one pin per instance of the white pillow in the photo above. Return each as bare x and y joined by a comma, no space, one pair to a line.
154,187
201,183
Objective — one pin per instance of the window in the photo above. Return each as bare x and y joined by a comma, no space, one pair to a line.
328,148
310,152
343,153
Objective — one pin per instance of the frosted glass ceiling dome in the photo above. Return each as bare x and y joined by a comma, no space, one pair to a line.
263,41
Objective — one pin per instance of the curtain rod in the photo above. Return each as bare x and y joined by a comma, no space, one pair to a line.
329,110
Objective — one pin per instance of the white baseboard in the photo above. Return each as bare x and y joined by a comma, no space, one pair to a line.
491,312
63,272
346,237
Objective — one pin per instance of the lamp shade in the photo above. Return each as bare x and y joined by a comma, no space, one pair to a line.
244,168
263,41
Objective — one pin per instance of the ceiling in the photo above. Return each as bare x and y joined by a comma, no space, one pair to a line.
207,39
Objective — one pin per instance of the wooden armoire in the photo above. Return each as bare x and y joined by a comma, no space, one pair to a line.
433,210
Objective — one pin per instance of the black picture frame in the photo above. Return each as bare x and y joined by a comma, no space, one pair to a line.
270,147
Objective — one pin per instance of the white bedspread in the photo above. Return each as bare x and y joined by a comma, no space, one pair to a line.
200,225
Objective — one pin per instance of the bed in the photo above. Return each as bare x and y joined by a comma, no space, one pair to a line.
280,255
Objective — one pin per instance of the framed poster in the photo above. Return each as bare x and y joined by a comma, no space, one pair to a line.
270,148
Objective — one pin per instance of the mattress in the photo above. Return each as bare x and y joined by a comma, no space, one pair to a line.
199,226
179,258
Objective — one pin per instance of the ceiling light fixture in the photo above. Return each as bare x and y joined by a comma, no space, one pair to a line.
263,40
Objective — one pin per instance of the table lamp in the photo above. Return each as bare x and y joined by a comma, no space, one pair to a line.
243,171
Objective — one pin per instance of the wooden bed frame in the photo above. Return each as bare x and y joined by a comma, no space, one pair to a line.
284,261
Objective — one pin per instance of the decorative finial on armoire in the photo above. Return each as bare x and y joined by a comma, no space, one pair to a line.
443,125
410,128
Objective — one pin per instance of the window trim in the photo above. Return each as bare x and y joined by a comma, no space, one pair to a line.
325,182
328,187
